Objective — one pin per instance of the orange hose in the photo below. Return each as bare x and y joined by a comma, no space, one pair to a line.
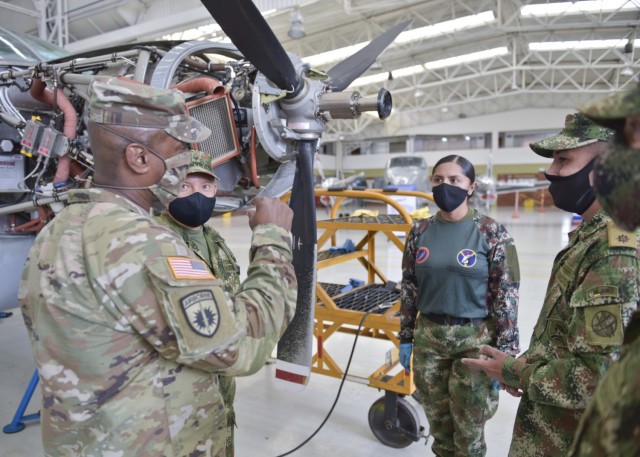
39,92
211,86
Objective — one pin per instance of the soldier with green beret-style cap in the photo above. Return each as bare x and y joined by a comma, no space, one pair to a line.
187,216
201,163
130,328
578,131
590,298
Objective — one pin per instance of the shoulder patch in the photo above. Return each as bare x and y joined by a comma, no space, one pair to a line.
603,325
201,311
187,268
619,238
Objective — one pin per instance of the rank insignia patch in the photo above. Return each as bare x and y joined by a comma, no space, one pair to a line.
186,268
201,311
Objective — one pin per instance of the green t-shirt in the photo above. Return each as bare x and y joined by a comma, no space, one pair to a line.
452,268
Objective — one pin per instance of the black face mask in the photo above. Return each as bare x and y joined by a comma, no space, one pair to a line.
192,211
449,197
573,193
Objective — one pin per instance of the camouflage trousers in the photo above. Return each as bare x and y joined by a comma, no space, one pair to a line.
456,401
228,392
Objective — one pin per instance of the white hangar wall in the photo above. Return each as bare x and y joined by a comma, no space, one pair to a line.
496,153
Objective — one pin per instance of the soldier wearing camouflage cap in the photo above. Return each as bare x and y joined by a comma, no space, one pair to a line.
186,216
617,171
590,298
610,426
129,327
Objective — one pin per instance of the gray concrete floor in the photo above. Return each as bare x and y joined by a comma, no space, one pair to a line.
271,422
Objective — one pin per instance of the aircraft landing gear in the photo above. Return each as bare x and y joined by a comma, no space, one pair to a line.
394,421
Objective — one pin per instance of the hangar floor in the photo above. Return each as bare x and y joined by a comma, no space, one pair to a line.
272,422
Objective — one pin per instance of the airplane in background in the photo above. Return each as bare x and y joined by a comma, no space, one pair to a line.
489,188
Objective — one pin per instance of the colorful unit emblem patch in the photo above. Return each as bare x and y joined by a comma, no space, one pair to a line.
422,255
186,268
467,258
201,311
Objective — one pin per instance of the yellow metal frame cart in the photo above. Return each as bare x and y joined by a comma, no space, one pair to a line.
392,419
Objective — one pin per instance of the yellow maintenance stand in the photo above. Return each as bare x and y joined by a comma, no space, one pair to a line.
392,419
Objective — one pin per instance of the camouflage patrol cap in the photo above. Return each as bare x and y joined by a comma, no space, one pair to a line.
578,131
612,111
200,163
118,101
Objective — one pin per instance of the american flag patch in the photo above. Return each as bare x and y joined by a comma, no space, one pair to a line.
186,268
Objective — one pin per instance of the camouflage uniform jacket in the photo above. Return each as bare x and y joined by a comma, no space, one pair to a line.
129,329
610,427
592,293
502,291
220,259
223,265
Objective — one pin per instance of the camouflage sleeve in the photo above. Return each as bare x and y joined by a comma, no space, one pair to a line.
503,291
409,288
154,286
271,283
592,336
610,425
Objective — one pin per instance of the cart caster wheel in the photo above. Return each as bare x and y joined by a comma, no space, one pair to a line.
392,434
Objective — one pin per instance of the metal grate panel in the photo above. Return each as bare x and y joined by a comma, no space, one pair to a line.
363,298
332,289
381,219
214,113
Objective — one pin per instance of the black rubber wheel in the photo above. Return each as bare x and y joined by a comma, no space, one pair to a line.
387,434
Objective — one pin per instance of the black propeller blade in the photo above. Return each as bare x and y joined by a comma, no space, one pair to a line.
295,348
345,72
244,25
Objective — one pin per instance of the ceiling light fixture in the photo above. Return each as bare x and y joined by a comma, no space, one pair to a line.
587,6
467,58
626,71
380,77
577,45
416,69
421,33
627,59
297,28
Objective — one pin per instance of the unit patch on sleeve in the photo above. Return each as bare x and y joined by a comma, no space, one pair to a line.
201,311
603,325
186,268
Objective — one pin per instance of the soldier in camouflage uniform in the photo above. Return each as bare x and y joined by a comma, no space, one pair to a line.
186,216
617,172
592,293
129,328
460,280
611,424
